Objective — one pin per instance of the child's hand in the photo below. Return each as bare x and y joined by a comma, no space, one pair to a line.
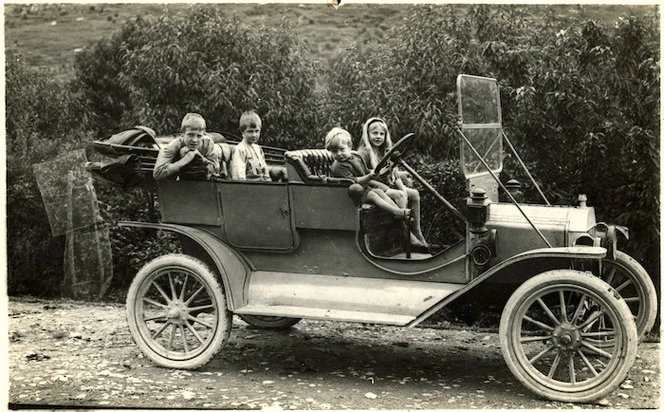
189,156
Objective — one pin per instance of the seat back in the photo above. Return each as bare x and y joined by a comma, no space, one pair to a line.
311,164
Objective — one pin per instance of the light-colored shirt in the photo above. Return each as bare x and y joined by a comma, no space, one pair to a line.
248,163
172,152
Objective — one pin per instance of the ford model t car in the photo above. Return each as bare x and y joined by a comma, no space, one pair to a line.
276,252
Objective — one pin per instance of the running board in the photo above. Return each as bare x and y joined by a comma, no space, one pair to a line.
326,314
344,298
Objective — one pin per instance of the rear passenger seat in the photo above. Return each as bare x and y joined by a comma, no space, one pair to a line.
312,166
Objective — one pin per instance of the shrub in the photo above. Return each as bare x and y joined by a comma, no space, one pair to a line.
155,70
44,118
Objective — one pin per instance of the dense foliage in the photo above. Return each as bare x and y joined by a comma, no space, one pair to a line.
44,118
154,70
580,104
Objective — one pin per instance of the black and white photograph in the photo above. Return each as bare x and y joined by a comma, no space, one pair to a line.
331,205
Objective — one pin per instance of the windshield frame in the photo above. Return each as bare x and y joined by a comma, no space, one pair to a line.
486,143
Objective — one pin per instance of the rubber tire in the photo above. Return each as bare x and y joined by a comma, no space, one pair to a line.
269,322
202,274
510,337
647,312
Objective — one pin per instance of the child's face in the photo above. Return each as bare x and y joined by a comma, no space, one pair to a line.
340,151
193,138
406,178
251,134
376,135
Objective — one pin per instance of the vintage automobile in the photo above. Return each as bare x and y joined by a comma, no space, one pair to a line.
276,252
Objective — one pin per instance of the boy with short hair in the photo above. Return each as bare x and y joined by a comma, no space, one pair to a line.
248,160
181,151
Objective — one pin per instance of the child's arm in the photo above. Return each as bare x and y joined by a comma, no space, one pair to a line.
238,164
164,166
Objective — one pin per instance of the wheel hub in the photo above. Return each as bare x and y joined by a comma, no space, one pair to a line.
567,336
177,312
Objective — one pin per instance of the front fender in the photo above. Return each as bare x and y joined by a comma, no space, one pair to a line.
549,258
230,265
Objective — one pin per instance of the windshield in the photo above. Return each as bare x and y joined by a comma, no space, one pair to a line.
481,123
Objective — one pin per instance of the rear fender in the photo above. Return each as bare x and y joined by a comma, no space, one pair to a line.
519,268
232,268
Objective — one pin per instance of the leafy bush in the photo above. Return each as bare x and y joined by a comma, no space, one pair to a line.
580,101
44,118
153,71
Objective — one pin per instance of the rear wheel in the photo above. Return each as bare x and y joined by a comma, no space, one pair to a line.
269,322
548,334
177,312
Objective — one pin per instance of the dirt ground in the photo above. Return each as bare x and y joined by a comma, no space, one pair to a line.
81,355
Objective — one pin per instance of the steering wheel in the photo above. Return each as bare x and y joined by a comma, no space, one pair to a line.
399,149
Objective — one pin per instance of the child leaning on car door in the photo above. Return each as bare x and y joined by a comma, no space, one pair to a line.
182,150
349,164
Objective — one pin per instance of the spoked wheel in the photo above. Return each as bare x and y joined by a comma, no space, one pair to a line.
177,312
269,322
635,286
548,334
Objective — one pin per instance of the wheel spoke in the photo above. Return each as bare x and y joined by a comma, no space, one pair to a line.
609,278
184,339
172,286
200,308
192,297
171,339
572,372
598,334
538,323
554,366
542,353
528,339
579,308
587,362
193,331
200,322
563,307
624,285
154,302
163,294
548,312
160,330
596,350
157,317
591,319
184,286
632,299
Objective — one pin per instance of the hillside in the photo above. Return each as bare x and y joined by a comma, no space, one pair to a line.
49,35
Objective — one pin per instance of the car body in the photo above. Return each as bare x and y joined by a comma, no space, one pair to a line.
276,252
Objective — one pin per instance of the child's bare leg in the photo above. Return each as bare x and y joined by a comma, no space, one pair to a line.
414,200
383,202
398,196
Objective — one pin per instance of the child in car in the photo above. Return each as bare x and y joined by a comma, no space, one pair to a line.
248,160
348,164
181,151
375,143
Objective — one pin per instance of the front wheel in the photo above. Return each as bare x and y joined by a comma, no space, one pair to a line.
548,334
177,312
269,322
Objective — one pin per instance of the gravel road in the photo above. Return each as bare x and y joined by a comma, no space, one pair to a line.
80,355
